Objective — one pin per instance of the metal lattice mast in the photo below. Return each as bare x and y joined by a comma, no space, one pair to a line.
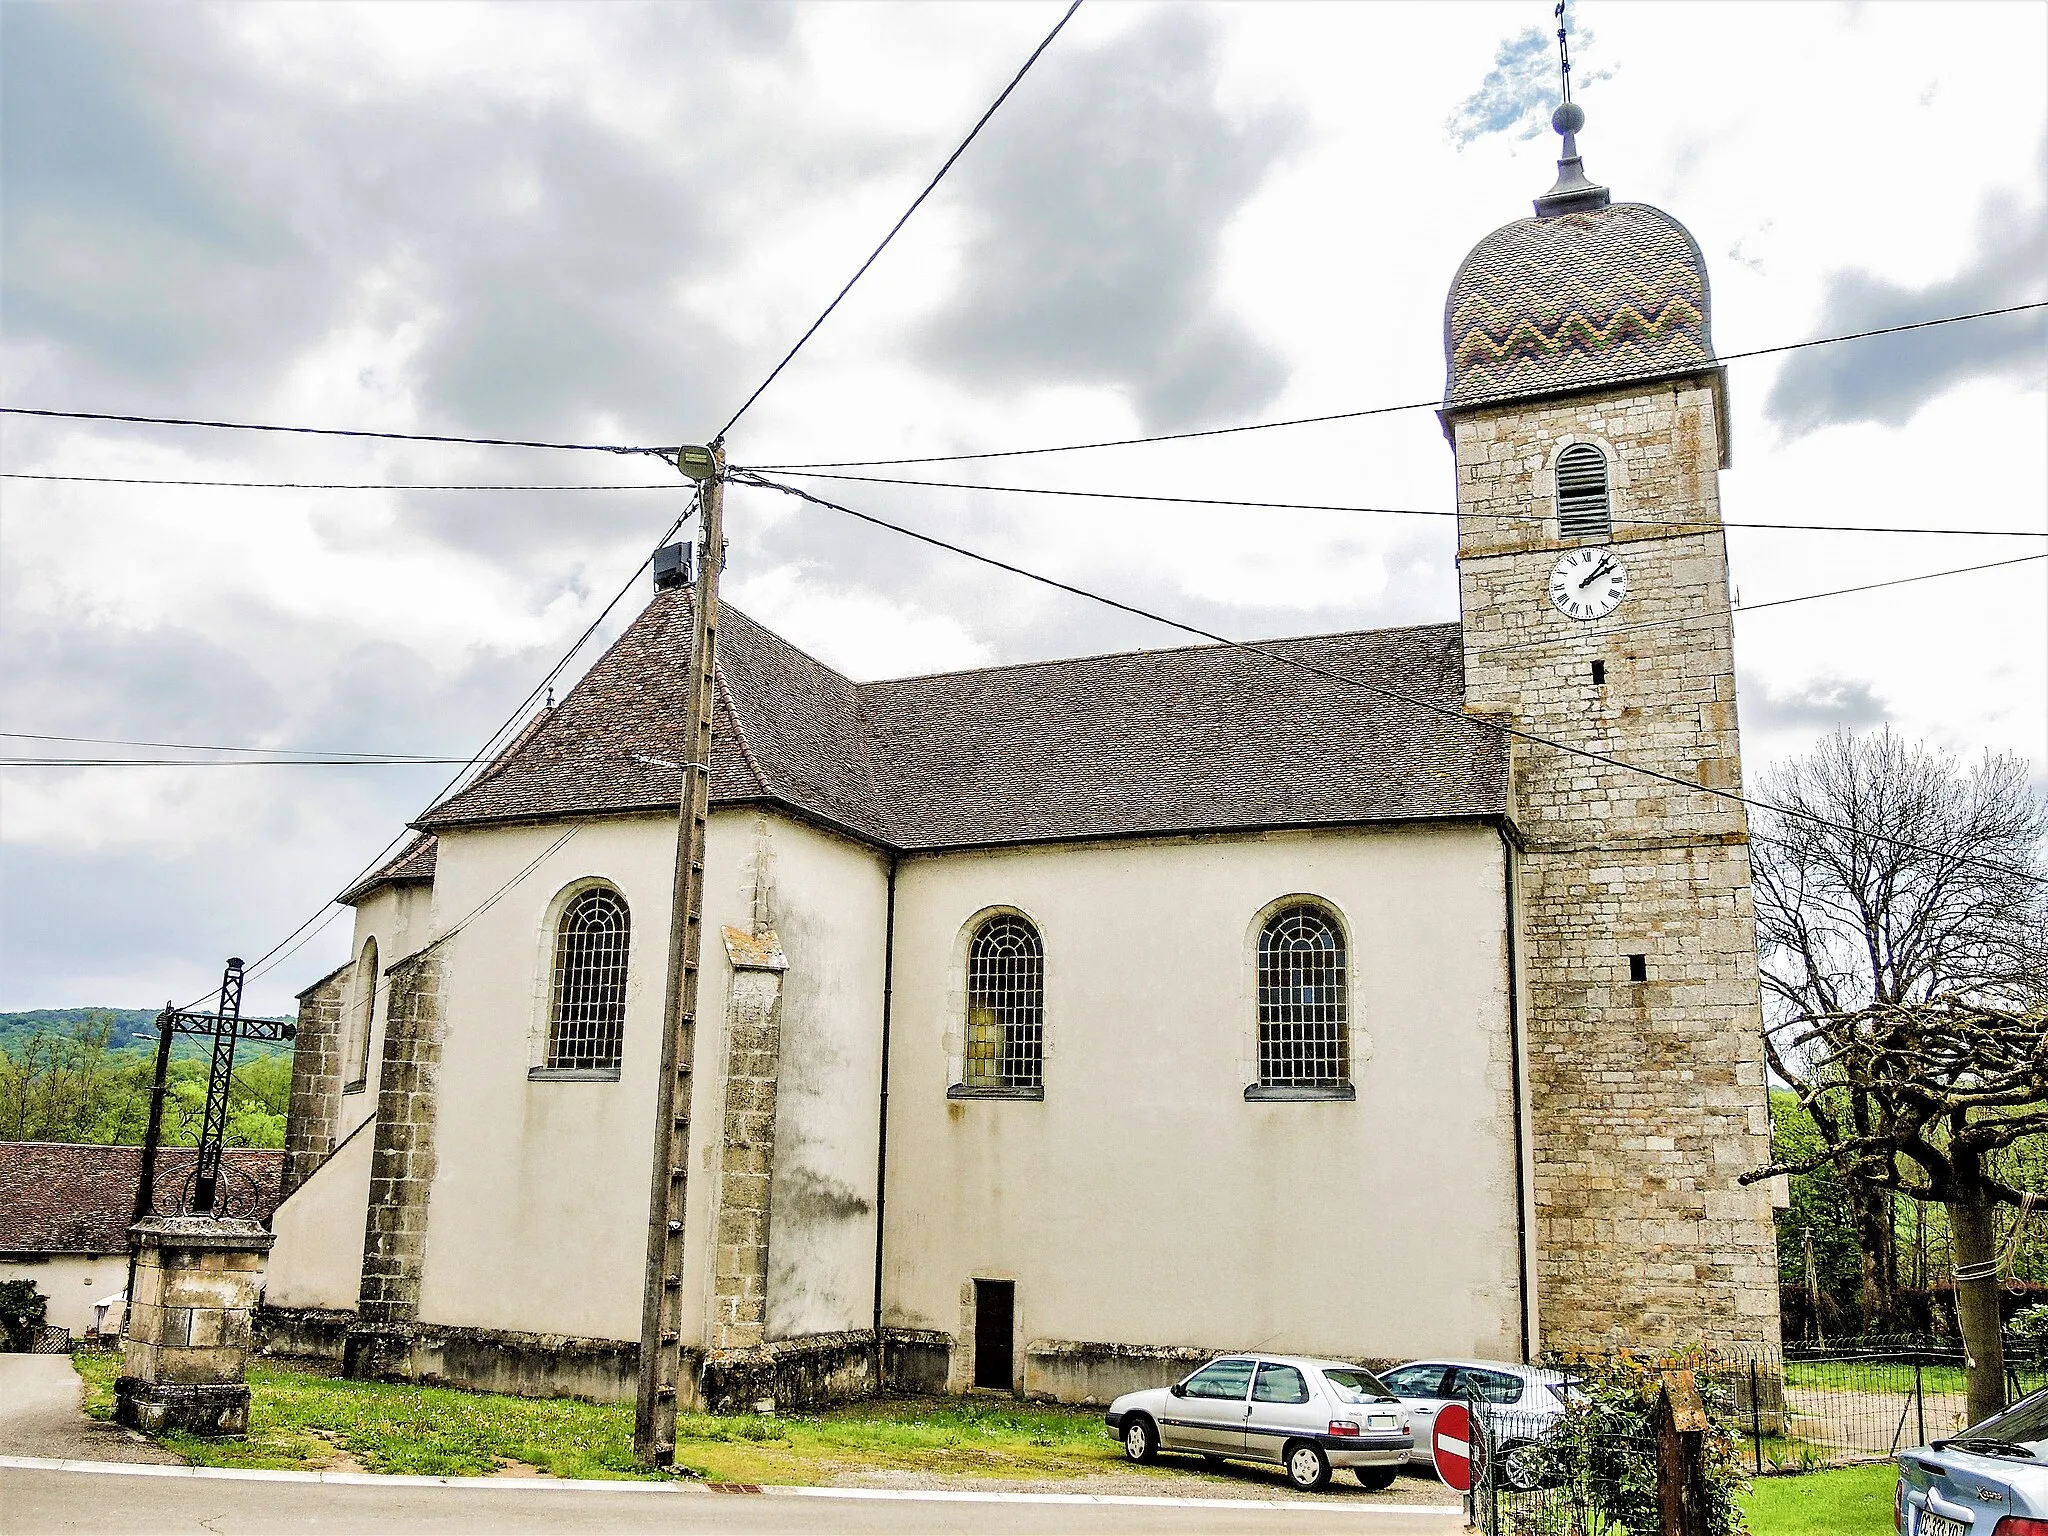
661,1350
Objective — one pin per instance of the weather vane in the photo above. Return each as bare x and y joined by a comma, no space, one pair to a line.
1564,52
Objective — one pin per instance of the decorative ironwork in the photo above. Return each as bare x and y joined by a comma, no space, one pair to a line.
588,1022
1005,1006
1303,1039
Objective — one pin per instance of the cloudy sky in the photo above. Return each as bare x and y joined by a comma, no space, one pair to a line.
603,223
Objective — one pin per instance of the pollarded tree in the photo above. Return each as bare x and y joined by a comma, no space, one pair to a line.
1894,874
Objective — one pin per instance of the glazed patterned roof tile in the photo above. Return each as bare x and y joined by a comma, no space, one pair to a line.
1195,739
1577,301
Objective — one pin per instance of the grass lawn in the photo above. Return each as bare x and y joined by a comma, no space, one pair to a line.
302,1418
1871,1376
1849,1501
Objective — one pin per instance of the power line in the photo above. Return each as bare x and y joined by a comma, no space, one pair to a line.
329,485
1319,506
327,910
226,762
1776,602
1433,403
395,437
915,204
206,746
1399,695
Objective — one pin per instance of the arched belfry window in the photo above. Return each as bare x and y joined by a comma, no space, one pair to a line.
587,1019
1304,1036
362,1013
1583,508
1005,1006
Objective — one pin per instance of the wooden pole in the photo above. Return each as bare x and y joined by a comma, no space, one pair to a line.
661,1354
1681,1456
152,1138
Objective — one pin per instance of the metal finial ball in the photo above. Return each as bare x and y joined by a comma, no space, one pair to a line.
1568,118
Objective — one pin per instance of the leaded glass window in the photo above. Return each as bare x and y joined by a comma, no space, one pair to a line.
1005,1006
588,1018
1304,1041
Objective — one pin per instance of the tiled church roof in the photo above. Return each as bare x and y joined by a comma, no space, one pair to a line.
1574,301
1199,739
411,865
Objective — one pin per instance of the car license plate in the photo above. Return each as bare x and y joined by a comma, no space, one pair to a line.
1932,1524
1380,1421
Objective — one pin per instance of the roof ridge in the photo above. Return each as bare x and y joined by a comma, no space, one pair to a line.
1162,650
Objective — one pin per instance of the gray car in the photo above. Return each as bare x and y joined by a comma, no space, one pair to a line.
1523,1403
1993,1477
1309,1416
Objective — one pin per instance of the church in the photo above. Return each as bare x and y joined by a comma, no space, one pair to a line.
1361,995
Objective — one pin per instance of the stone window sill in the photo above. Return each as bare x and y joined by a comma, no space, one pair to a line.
355,1087
963,1091
572,1074
1300,1093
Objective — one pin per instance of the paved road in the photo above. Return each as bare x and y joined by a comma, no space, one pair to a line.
40,1415
148,1501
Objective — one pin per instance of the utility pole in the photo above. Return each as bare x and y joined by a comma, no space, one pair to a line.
661,1352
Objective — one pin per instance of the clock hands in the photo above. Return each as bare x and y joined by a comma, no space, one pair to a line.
1606,564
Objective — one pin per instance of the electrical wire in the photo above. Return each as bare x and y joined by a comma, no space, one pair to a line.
316,485
233,762
512,723
1319,506
1433,403
1741,608
894,229
208,746
395,437
1261,649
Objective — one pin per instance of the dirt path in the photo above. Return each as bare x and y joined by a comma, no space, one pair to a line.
1870,1421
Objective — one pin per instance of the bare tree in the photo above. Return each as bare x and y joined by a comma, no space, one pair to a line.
1919,1097
1893,875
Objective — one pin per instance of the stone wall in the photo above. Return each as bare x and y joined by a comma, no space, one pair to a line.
1647,1095
401,1168
316,1078
753,1032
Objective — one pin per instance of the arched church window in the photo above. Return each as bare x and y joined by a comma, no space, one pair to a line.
587,1020
362,1013
1303,1038
1583,510
1005,1006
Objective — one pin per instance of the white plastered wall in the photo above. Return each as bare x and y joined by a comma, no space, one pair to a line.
396,918
318,1257
70,1284
1144,1201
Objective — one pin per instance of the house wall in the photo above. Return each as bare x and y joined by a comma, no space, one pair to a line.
1145,1202
318,1258
70,1283
397,917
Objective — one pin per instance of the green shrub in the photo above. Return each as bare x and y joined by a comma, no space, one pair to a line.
22,1314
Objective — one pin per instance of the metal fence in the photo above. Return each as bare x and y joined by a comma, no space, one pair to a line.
1812,1407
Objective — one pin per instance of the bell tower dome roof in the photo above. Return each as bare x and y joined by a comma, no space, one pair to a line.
1586,294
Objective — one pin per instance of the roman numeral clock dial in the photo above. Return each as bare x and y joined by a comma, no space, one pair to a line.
1588,583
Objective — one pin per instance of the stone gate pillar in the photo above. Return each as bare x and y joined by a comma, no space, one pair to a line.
197,1279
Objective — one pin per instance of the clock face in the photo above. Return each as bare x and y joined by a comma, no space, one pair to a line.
1588,583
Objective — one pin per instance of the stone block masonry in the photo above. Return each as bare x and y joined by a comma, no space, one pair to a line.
316,1078
1647,1095
739,1300
197,1279
401,1169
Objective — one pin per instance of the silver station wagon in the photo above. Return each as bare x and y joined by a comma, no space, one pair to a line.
1307,1416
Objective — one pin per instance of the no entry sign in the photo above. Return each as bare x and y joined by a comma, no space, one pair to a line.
1451,1444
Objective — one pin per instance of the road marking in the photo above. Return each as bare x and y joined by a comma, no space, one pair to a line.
596,1485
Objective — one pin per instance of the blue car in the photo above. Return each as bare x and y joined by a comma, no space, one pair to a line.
1990,1480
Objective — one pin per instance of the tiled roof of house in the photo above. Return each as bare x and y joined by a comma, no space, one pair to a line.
65,1197
1576,301
411,865
1205,738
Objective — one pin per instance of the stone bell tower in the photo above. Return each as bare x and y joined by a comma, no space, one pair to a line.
1589,421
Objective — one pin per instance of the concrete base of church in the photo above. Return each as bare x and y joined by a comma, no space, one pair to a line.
189,1331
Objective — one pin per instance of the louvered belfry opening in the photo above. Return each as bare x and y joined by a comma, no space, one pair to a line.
1005,1006
1583,510
1303,1041
588,1020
